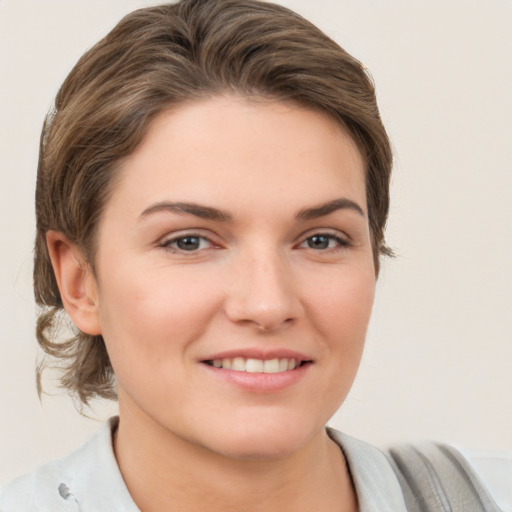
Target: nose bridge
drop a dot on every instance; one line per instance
(262, 292)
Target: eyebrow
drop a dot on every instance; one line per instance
(321, 210)
(203, 212)
(210, 213)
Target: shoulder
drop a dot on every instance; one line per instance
(494, 468)
(45, 488)
(36, 491)
(74, 483)
(416, 477)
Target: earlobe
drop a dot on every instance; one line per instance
(76, 283)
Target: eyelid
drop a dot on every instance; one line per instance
(331, 232)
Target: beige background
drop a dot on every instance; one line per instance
(439, 350)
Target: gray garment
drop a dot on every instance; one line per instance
(89, 480)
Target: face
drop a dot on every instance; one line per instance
(234, 276)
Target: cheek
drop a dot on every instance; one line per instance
(146, 316)
(343, 304)
(339, 310)
(341, 315)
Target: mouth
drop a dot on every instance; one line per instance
(252, 365)
(259, 372)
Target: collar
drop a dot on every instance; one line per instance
(92, 476)
(89, 479)
(377, 486)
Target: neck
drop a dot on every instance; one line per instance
(165, 472)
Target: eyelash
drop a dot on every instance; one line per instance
(171, 244)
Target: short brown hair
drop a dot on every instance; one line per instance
(162, 56)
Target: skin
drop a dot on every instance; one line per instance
(256, 281)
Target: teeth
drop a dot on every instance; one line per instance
(240, 364)
(254, 366)
(271, 366)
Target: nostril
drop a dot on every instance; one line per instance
(271, 324)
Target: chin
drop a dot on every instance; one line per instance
(264, 448)
(262, 441)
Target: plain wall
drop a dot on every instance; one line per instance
(439, 351)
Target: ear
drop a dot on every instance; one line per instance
(76, 282)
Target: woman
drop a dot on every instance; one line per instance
(211, 202)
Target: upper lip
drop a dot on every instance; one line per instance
(258, 353)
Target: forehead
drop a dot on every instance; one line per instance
(231, 149)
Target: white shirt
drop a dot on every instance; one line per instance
(89, 480)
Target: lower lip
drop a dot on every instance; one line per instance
(261, 382)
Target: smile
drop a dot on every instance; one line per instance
(250, 365)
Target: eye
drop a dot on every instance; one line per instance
(187, 243)
(323, 241)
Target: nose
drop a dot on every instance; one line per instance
(262, 293)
